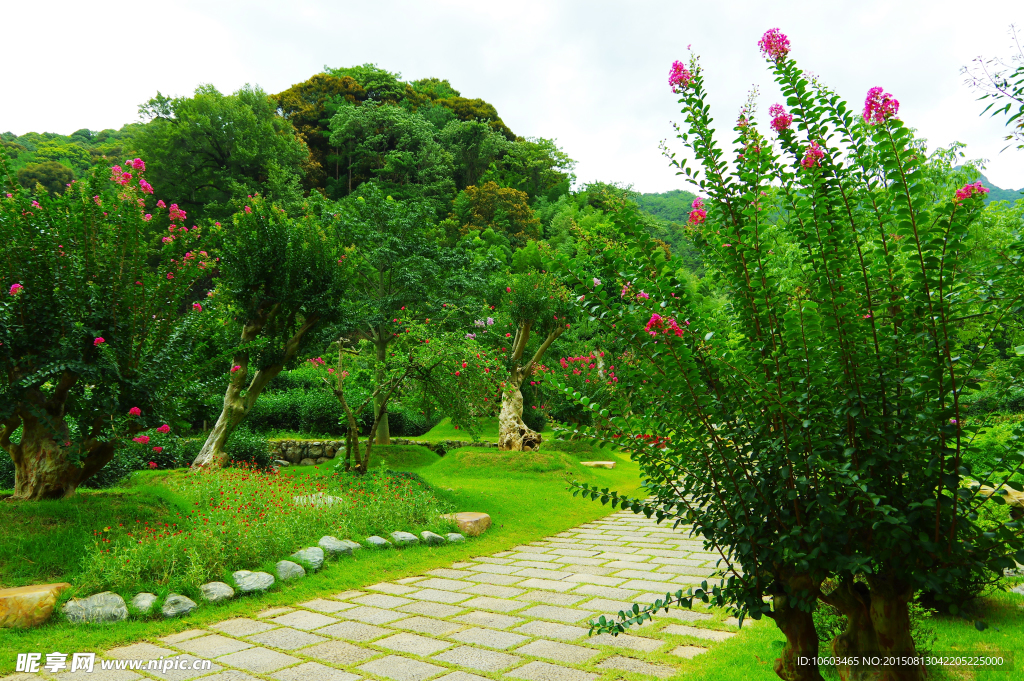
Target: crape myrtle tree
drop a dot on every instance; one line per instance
(93, 335)
(813, 427)
(280, 277)
(537, 306)
(400, 271)
(425, 356)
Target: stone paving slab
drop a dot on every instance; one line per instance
(518, 614)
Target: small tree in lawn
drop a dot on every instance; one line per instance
(537, 304)
(400, 270)
(813, 428)
(280, 277)
(424, 356)
(92, 335)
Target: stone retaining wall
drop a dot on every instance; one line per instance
(321, 451)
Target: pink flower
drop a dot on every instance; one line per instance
(248, 210)
(147, 217)
(597, 282)
(813, 156)
(236, 368)
(152, 464)
(878, 106)
(774, 44)
(98, 341)
(147, 188)
(655, 322)
(138, 164)
(35, 204)
(161, 204)
(169, 275)
(167, 239)
(197, 307)
(642, 296)
(698, 214)
(508, 290)
(164, 429)
(176, 213)
(142, 439)
(965, 192)
(780, 119)
(134, 411)
(679, 77)
(16, 289)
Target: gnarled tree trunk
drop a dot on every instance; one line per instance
(513, 433)
(878, 625)
(43, 465)
(46, 464)
(798, 660)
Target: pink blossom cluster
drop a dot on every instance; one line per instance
(879, 106)
(969, 190)
(147, 188)
(99, 340)
(119, 176)
(316, 361)
(780, 119)
(248, 210)
(197, 307)
(774, 44)
(134, 411)
(164, 429)
(679, 77)
(16, 289)
(697, 214)
(669, 325)
(137, 164)
(813, 156)
(141, 439)
(175, 213)
(161, 204)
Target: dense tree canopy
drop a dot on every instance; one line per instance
(210, 148)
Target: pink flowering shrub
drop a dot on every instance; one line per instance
(697, 212)
(780, 119)
(970, 190)
(679, 77)
(812, 157)
(77, 318)
(879, 106)
(774, 44)
(811, 427)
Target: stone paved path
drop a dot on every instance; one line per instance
(517, 614)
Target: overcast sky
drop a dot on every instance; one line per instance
(592, 75)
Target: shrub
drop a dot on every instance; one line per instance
(249, 449)
(320, 412)
(811, 428)
(82, 285)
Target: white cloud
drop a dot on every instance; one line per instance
(591, 74)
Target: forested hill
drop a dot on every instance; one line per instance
(419, 140)
(671, 206)
(997, 194)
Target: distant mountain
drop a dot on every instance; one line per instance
(997, 194)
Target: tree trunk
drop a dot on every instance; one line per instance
(513, 433)
(878, 624)
(801, 638)
(42, 467)
(236, 406)
(380, 413)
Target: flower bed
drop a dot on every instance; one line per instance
(241, 518)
